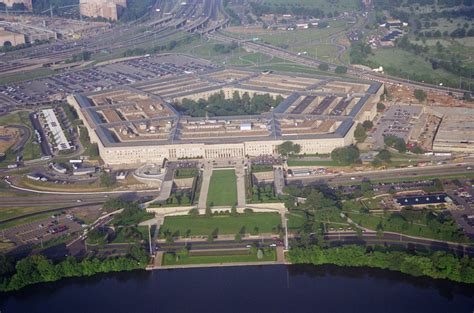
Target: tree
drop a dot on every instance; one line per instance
(345, 155)
(323, 67)
(340, 70)
(384, 155)
(420, 95)
(6, 265)
(360, 134)
(417, 149)
(208, 211)
(396, 143)
(238, 237)
(233, 211)
(380, 106)
(107, 180)
(368, 125)
(288, 147)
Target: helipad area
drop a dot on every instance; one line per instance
(139, 124)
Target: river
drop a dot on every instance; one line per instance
(294, 288)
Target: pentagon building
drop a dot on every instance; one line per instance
(140, 124)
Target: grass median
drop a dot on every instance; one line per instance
(268, 255)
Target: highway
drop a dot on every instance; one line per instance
(392, 239)
(158, 28)
(387, 174)
(63, 198)
(67, 198)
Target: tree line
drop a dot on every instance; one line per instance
(438, 265)
(37, 268)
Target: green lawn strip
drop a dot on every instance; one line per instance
(296, 162)
(261, 168)
(427, 177)
(326, 6)
(28, 75)
(170, 259)
(25, 220)
(294, 68)
(222, 188)
(13, 211)
(225, 224)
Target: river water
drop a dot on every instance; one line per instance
(279, 288)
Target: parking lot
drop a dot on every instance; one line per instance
(57, 87)
(399, 121)
(43, 230)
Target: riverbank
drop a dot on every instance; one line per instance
(437, 265)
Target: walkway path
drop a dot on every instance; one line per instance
(206, 180)
(240, 173)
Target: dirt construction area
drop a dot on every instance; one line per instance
(406, 95)
(8, 137)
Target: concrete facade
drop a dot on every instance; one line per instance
(109, 9)
(13, 38)
(27, 3)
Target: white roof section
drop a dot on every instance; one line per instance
(56, 130)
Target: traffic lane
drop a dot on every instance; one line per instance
(221, 244)
(33, 197)
(386, 174)
(346, 238)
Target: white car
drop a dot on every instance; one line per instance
(273, 245)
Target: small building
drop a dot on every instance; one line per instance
(84, 171)
(422, 200)
(10, 38)
(300, 172)
(121, 176)
(59, 168)
(35, 177)
(246, 126)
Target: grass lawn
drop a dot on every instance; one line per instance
(327, 6)
(296, 39)
(121, 236)
(170, 259)
(407, 64)
(222, 188)
(186, 172)
(331, 217)
(30, 151)
(225, 224)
